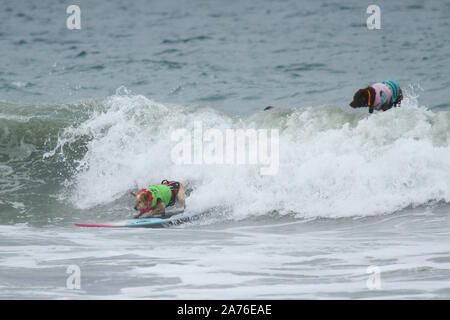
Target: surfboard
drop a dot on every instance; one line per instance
(153, 222)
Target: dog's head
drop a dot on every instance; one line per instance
(361, 98)
(142, 200)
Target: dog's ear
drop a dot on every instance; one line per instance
(133, 194)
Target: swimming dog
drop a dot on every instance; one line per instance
(157, 197)
(379, 96)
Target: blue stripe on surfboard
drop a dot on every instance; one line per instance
(143, 222)
(155, 221)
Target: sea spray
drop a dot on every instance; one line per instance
(333, 163)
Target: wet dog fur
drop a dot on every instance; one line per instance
(142, 202)
(361, 99)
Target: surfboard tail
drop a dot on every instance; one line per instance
(100, 225)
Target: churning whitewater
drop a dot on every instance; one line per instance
(335, 163)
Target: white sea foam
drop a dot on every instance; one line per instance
(334, 162)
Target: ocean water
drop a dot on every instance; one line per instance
(86, 117)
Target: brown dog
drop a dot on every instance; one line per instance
(379, 96)
(157, 197)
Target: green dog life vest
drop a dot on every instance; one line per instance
(159, 191)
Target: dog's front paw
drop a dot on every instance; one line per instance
(136, 216)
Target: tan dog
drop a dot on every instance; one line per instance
(157, 197)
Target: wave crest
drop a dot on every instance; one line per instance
(333, 162)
